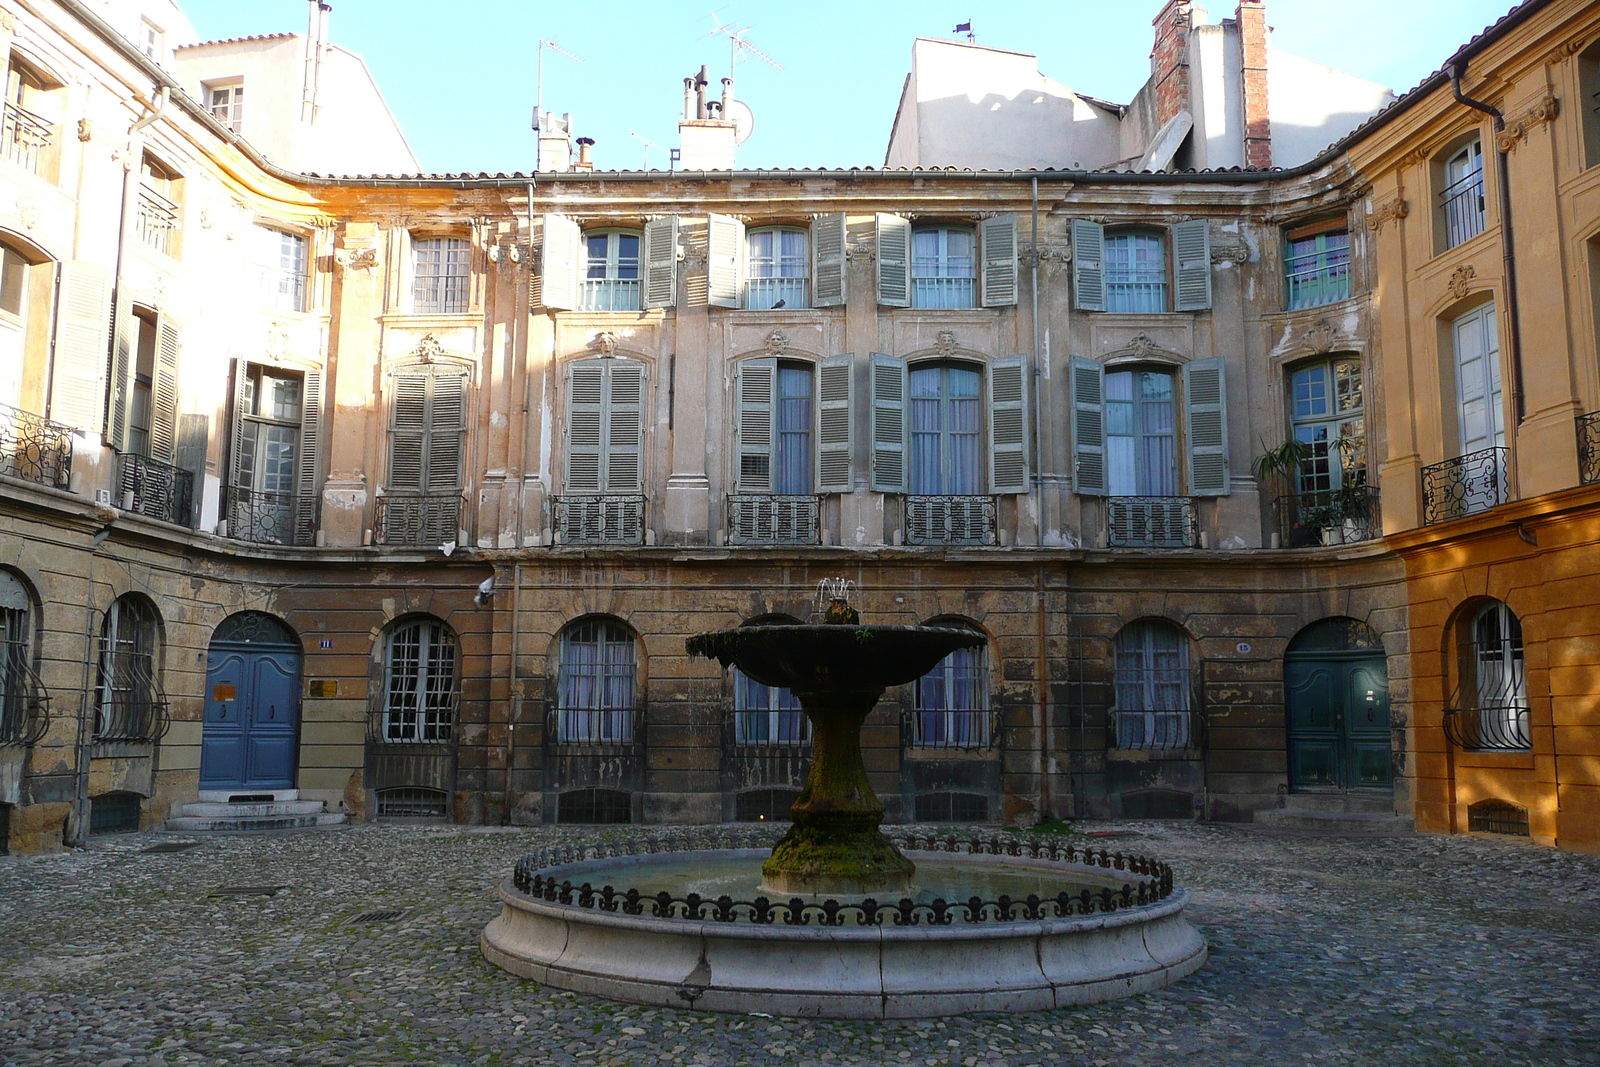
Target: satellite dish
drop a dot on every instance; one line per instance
(744, 121)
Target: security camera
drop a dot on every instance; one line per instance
(485, 592)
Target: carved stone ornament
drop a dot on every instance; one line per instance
(1230, 251)
(429, 348)
(777, 343)
(862, 252)
(278, 344)
(28, 212)
(1382, 214)
(1461, 280)
(1321, 336)
(8, 21)
(85, 130)
(944, 343)
(356, 258)
(1046, 255)
(1144, 347)
(604, 342)
(1544, 110)
(507, 256)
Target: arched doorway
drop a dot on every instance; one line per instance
(1336, 689)
(252, 719)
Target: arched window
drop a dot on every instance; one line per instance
(595, 684)
(952, 700)
(420, 683)
(1490, 709)
(1136, 272)
(23, 702)
(777, 269)
(610, 271)
(944, 267)
(946, 424)
(129, 702)
(1154, 688)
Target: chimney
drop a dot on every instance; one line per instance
(555, 151)
(706, 138)
(1169, 62)
(584, 162)
(1252, 16)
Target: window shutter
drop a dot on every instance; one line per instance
(660, 259)
(306, 495)
(1204, 393)
(888, 424)
(446, 423)
(1008, 425)
(828, 243)
(833, 424)
(894, 261)
(121, 387)
(1191, 251)
(624, 411)
(1088, 265)
(408, 433)
(585, 411)
(164, 396)
(1088, 427)
(241, 376)
(724, 258)
(558, 275)
(83, 321)
(998, 236)
(757, 378)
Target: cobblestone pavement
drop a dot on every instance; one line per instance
(1392, 951)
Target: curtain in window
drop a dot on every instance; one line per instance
(1135, 273)
(1141, 433)
(794, 430)
(1152, 686)
(420, 696)
(777, 267)
(944, 270)
(766, 715)
(595, 684)
(946, 424)
(952, 702)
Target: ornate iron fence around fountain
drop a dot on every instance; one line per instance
(1153, 883)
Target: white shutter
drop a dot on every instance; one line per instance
(1204, 393)
(998, 239)
(660, 262)
(83, 323)
(1088, 427)
(558, 275)
(164, 395)
(757, 380)
(241, 379)
(1008, 425)
(833, 424)
(1088, 265)
(894, 261)
(888, 424)
(586, 385)
(828, 243)
(446, 424)
(624, 421)
(1191, 249)
(724, 258)
(408, 433)
(306, 495)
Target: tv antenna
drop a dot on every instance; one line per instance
(738, 45)
(538, 100)
(649, 144)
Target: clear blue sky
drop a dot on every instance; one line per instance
(460, 76)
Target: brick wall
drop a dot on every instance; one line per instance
(1252, 16)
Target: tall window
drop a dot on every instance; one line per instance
(21, 695)
(420, 689)
(13, 329)
(1153, 688)
(1317, 264)
(946, 423)
(793, 451)
(151, 40)
(157, 220)
(610, 271)
(267, 450)
(1141, 433)
(129, 703)
(28, 130)
(777, 270)
(944, 267)
(604, 413)
(1326, 399)
(1481, 414)
(1494, 683)
(952, 700)
(281, 260)
(226, 104)
(766, 715)
(1461, 200)
(440, 275)
(422, 502)
(1135, 272)
(595, 684)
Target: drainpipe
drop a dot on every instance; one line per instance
(1507, 247)
(1038, 401)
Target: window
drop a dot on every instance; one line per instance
(157, 217)
(144, 370)
(226, 104)
(441, 275)
(1589, 102)
(1477, 357)
(13, 329)
(946, 424)
(1461, 200)
(1326, 407)
(1136, 272)
(766, 715)
(151, 39)
(604, 412)
(1491, 702)
(1153, 686)
(1127, 428)
(775, 426)
(1141, 433)
(944, 267)
(595, 684)
(610, 271)
(276, 431)
(1317, 264)
(29, 132)
(420, 689)
(1126, 270)
(777, 270)
(23, 703)
(422, 501)
(952, 700)
(129, 702)
(281, 259)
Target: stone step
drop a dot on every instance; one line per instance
(1341, 822)
(225, 796)
(1345, 803)
(214, 810)
(257, 823)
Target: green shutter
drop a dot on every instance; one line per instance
(624, 423)
(78, 370)
(757, 380)
(659, 258)
(888, 424)
(408, 433)
(1088, 265)
(560, 263)
(828, 266)
(833, 424)
(586, 383)
(1008, 425)
(124, 362)
(1205, 400)
(306, 494)
(894, 261)
(1088, 427)
(1191, 246)
(998, 240)
(446, 425)
(724, 260)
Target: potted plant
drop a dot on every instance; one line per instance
(1279, 469)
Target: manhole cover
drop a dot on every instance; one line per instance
(173, 846)
(387, 916)
(246, 890)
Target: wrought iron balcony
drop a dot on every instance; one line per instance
(130, 704)
(1318, 277)
(1494, 728)
(786, 728)
(774, 520)
(944, 292)
(1344, 516)
(595, 728)
(952, 520)
(607, 519)
(157, 220)
(1154, 731)
(1151, 522)
(154, 489)
(24, 703)
(1465, 485)
(422, 519)
(951, 729)
(609, 294)
(263, 517)
(761, 294)
(34, 448)
(1462, 203)
(24, 137)
(1589, 448)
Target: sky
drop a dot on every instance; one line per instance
(463, 85)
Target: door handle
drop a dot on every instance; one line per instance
(272, 711)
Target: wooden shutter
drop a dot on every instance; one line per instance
(305, 475)
(659, 258)
(894, 261)
(828, 244)
(408, 433)
(446, 424)
(241, 378)
(1008, 425)
(757, 380)
(1088, 427)
(998, 240)
(1088, 265)
(833, 424)
(624, 421)
(83, 322)
(120, 389)
(1207, 424)
(888, 424)
(1191, 252)
(724, 257)
(586, 384)
(562, 259)
(164, 395)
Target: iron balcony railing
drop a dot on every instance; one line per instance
(422, 519)
(24, 703)
(774, 520)
(1154, 731)
(1493, 728)
(1151, 522)
(1462, 202)
(1589, 448)
(157, 220)
(1317, 278)
(952, 520)
(597, 729)
(1127, 292)
(260, 516)
(767, 294)
(25, 136)
(441, 294)
(785, 728)
(1465, 485)
(131, 705)
(944, 292)
(154, 489)
(34, 448)
(607, 519)
(951, 729)
(1343, 516)
(609, 294)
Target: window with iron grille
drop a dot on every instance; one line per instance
(952, 700)
(129, 702)
(944, 267)
(281, 259)
(22, 697)
(28, 130)
(610, 271)
(952, 807)
(1317, 264)
(157, 211)
(777, 269)
(420, 686)
(766, 715)
(595, 684)
(1491, 705)
(440, 275)
(1135, 272)
(1154, 686)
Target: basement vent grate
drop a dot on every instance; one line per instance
(232, 891)
(387, 916)
(251, 798)
(173, 846)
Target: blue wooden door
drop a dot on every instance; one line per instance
(252, 718)
(1338, 717)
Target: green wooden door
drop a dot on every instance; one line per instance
(1337, 709)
